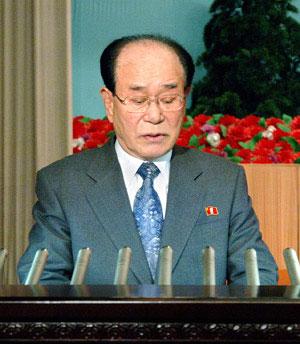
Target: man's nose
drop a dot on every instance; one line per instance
(153, 113)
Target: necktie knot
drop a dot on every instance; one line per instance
(148, 170)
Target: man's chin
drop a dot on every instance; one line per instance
(152, 154)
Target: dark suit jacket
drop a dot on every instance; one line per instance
(82, 202)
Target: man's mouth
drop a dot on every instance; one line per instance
(154, 137)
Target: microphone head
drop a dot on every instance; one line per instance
(37, 267)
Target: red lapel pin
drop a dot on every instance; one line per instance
(211, 211)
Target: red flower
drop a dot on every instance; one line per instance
(76, 150)
(270, 151)
(79, 128)
(91, 133)
(184, 137)
(249, 120)
(96, 125)
(101, 125)
(264, 151)
(283, 145)
(237, 133)
(278, 134)
(265, 144)
(201, 119)
(78, 118)
(295, 123)
(96, 139)
(194, 130)
(252, 131)
(263, 159)
(228, 120)
(185, 119)
(274, 121)
(223, 143)
(296, 134)
(245, 154)
(285, 156)
(296, 156)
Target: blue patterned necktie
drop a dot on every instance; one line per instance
(148, 214)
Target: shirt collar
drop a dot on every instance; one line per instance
(132, 163)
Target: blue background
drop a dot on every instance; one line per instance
(95, 23)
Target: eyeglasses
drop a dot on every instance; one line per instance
(169, 102)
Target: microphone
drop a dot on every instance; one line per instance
(292, 291)
(251, 267)
(209, 269)
(82, 290)
(3, 255)
(81, 265)
(37, 267)
(122, 267)
(165, 266)
(39, 290)
(292, 264)
(123, 290)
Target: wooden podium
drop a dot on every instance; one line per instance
(149, 314)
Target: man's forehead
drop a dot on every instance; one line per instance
(144, 49)
(148, 62)
(143, 44)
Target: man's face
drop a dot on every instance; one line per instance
(148, 69)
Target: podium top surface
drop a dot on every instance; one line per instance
(151, 293)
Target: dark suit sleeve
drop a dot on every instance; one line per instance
(244, 234)
(50, 231)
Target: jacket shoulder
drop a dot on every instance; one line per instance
(206, 161)
(78, 161)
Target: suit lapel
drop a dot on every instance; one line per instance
(109, 200)
(185, 200)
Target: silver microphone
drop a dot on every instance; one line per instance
(292, 291)
(292, 264)
(251, 267)
(122, 267)
(37, 267)
(81, 265)
(165, 266)
(3, 255)
(209, 269)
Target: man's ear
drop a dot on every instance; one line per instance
(107, 98)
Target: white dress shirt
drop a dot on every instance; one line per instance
(133, 181)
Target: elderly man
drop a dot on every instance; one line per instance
(142, 191)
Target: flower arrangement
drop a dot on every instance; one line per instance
(90, 133)
(251, 139)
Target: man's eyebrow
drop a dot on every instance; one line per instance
(170, 86)
(136, 87)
